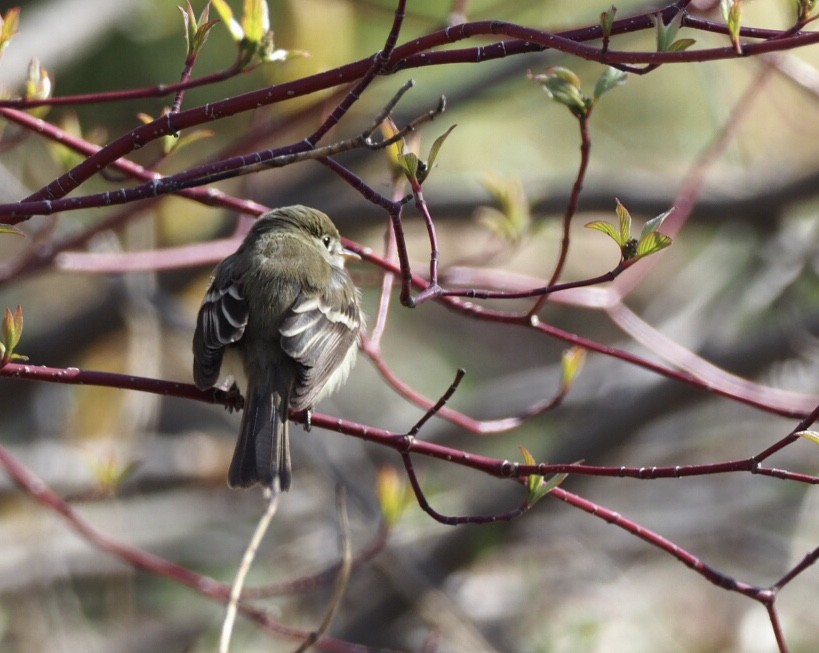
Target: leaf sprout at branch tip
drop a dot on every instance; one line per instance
(253, 35)
(405, 158)
(563, 86)
(538, 486)
(9, 24)
(632, 249)
(12, 333)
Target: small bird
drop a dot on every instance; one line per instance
(282, 319)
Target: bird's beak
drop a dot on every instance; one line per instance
(349, 255)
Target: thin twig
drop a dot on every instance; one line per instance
(571, 208)
(217, 171)
(244, 568)
(344, 570)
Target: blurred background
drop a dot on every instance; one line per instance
(738, 286)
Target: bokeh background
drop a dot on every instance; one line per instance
(739, 286)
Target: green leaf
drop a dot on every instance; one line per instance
(12, 331)
(625, 223)
(732, 13)
(813, 436)
(535, 483)
(609, 229)
(610, 79)
(563, 86)
(256, 20)
(196, 30)
(38, 85)
(433, 151)
(572, 363)
(188, 137)
(226, 14)
(655, 223)
(10, 229)
(607, 21)
(681, 44)
(513, 220)
(667, 34)
(804, 9)
(653, 242)
(548, 486)
(396, 150)
(9, 24)
(409, 163)
(189, 18)
(393, 494)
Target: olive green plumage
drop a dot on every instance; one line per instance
(282, 318)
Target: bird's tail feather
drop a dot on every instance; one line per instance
(262, 452)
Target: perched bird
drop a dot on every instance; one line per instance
(282, 318)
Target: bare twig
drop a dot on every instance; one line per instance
(343, 576)
(247, 560)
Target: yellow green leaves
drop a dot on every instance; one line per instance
(813, 436)
(414, 168)
(563, 86)
(38, 86)
(804, 10)
(393, 494)
(571, 364)
(667, 40)
(607, 21)
(632, 249)
(537, 486)
(10, 229)
(9, 24)
(610, 79)
(174, 142)
(253, 34)
(196, 30)
(12, 332)
(512, 220)
(732, 14)
(110, 473)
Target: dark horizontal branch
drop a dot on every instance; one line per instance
(412, 54)
(156, 91)
(187, 181)
(399, 442)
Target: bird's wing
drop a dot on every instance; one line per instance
(318, 335)
(221, 321)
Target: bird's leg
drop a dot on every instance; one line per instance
(233, 399)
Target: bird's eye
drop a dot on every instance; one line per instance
(327, 241)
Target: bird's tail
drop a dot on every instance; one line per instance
(262, 452)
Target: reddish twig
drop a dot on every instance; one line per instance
(143, 560)
(571, 208)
